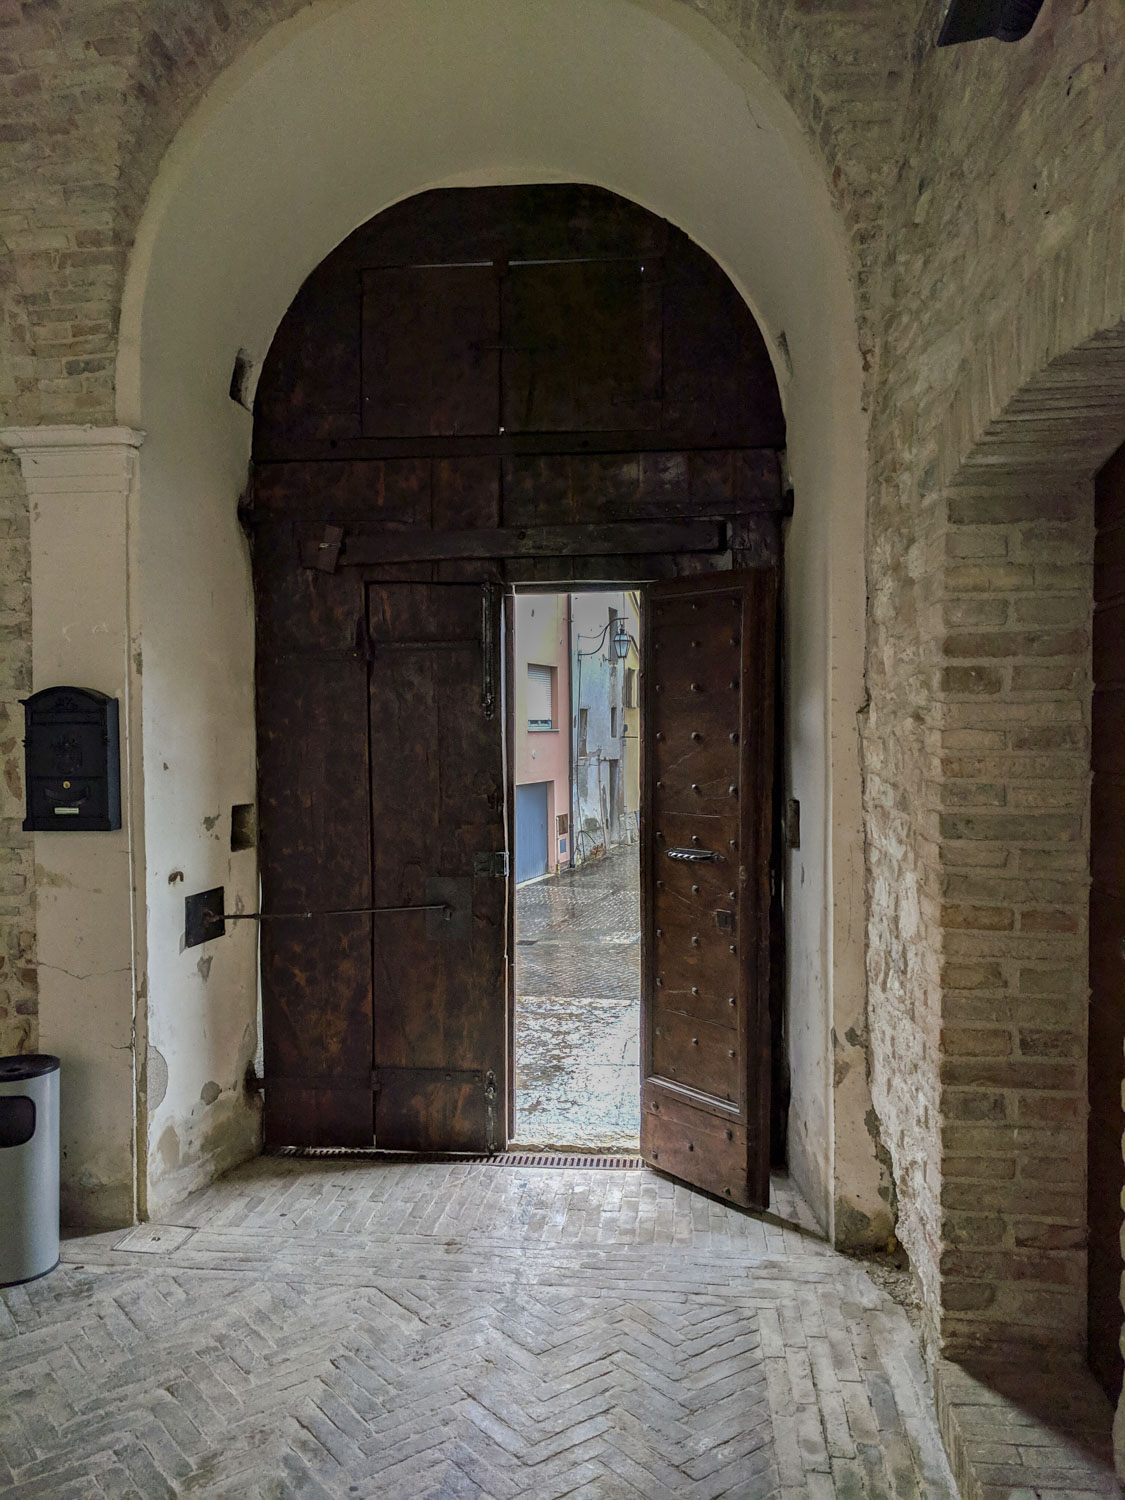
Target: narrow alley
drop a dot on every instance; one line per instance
(578, 989)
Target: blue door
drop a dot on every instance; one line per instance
(531, 831)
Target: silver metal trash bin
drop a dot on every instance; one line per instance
(29, 1167)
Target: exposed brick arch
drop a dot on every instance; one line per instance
(140, 70)
(981, 947)
(95, 92)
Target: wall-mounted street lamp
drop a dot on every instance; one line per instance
(974, 20)
(619, 641)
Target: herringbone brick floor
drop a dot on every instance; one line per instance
(343, 1328)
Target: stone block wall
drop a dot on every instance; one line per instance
(19, 1031)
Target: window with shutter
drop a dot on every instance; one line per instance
(540, 697)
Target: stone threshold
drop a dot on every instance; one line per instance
(1026, 1431)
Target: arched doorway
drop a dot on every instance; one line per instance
(262, 181)
(479, 388)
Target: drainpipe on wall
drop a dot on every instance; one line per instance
(572, 720)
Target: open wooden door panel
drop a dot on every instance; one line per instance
(708, 749)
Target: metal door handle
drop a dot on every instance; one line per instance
(694, 855)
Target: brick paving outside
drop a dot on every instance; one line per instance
(578, 993)
(339, 1328)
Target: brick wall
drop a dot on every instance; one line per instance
(1006, 254)
(92, 93)
(1008, 813)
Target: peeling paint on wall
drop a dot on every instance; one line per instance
(155, 1081)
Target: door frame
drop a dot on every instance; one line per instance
(508, 701)
(774, 1061)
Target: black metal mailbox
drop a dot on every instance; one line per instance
(72, 759)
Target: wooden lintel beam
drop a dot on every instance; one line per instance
(504, 445)
(423, 545)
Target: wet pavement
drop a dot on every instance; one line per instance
(578, 1006)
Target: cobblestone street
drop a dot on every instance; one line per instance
(578, 1006)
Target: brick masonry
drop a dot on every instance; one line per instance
(999, 395)
(981, 192)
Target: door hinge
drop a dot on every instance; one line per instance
(322, 555)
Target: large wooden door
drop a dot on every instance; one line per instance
(705, 851)
(1105, 1169)
(497, 386)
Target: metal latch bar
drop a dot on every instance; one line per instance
(340, 911)
(206, 919)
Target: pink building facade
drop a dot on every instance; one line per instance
(541, 741)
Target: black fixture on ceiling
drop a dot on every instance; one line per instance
(973, 20)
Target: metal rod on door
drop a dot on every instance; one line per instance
(342, 911)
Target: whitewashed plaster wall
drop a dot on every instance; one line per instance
(81, 485)
(337, 114)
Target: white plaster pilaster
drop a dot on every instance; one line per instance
(80, 482)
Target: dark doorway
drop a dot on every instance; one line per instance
(1105, 1169)
(477, 390)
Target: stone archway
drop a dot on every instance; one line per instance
(980, 952)
(259, 185)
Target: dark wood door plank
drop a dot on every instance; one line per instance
(420, 545)
(437, 802)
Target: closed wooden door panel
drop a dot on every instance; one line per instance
(614, 322)
(532, 841)
(1105, 1169)
(316, 971)
(431, 358)
(705, 857)
(437, 807)
(1109, 559)
(713, 366)
(582, 346)
(1109, 644)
